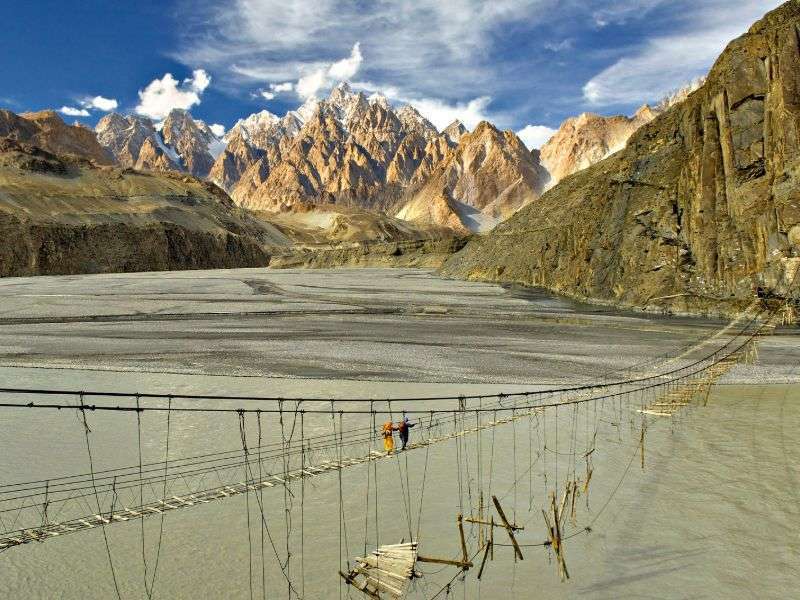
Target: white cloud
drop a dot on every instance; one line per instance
(73, 112)
(217, 129)
(535, 136)
(345, 69)
(310, 84)
(559, 46)
(199, 80)
(100, 103)
(439, 112)
(162, 95)
(267, 95)
(426, 44)
(664, 63)
(287, 86)
(325, 77)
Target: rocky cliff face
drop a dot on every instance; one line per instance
(701, 206)
(47, 130)
(485, 179)
(67, 215)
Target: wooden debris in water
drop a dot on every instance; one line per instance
(385, 573)
(554, 536)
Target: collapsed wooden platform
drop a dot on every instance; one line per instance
(385, 573)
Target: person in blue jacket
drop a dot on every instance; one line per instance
(402, 428)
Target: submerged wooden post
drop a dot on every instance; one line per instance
(491, 537)
(480, 525)
(641, 444)
(464, 556)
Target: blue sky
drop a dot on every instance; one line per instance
(518, 63)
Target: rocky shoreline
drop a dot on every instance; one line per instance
(429, 254)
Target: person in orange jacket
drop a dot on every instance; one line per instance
(388, 436)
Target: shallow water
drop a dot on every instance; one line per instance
(712, 515)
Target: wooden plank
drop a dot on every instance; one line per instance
(483, 562)
(507, 525)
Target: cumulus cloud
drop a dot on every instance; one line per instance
(535, 136)
(279, 88)
(343, 70)
(663, 63)
(325, 77)
(100, 103)
(267, 95)
(71, 111)
(162, 95)
(442, 113)
(310, 84)
(217, 129)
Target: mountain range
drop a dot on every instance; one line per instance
(342, 155)
(348, 151)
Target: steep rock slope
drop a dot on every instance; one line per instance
(702, 205)
(67, 215)
(486, 178)
(47, 130)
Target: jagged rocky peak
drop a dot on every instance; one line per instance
(454, 131)
(380, 99)
(123, 136)
(486, 178)
(192, 140)
(587, 139)
(254, 128)
(239, 154)
(346, 106)
(179, 143)
(413, 121)
(680, 94)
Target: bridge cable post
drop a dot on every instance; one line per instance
(243, 436)
(86, 431)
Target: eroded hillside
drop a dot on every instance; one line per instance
(61, 215)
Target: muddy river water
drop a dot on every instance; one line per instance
(714, 513)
